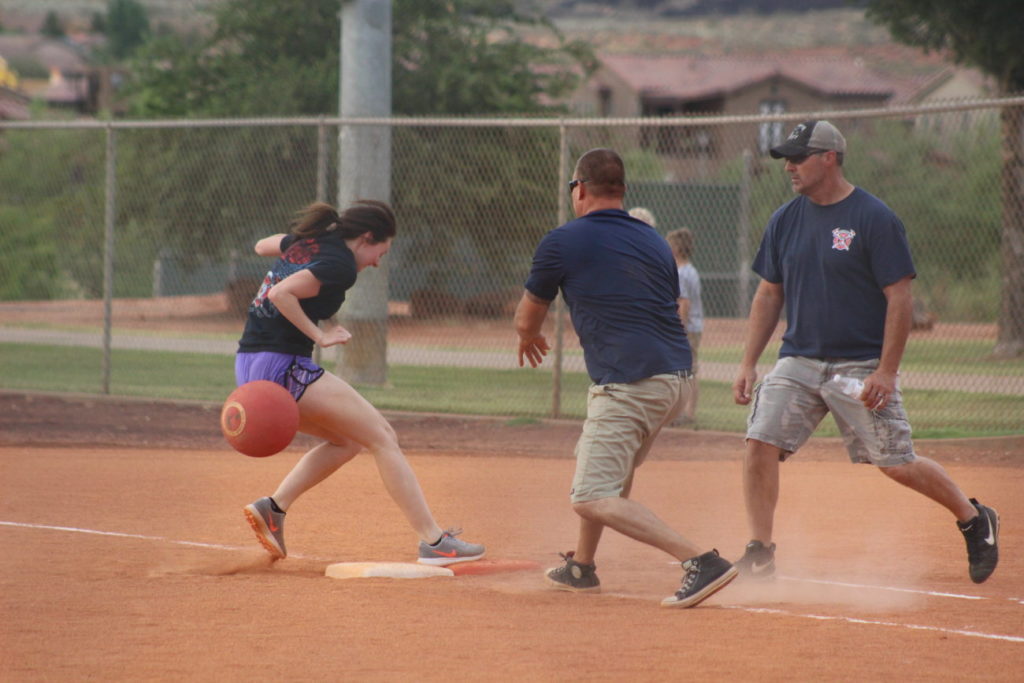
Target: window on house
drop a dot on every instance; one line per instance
(771, 133)
(683, 141)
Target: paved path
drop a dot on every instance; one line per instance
(411, 355)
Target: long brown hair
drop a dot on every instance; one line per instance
(365, 215)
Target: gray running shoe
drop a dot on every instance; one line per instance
(982, 536)
(449, 550)
(758, 562)
(268, 525)
(574, 576)
(705, 575)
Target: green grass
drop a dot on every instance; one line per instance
(947, 357)
(521, 395)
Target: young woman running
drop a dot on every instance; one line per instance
(318, 261)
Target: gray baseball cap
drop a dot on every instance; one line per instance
(808, 137)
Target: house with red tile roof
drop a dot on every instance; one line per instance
(675, 85)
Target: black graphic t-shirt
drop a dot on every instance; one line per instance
(330, 260)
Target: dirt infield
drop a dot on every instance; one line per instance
(126, 557)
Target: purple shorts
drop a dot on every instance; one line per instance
(294, 373)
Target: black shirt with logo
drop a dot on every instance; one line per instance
(331, 262)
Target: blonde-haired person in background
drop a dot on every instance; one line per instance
(642, 214)
(691, 310)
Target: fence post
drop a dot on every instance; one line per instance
(321, 191)
(743, 238)
(108, 253)
(364, 161)
(556, 371)
(321, 161)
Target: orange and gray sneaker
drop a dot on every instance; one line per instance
(449, 550)
(268, 523)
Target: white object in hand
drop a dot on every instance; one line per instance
(851, 386)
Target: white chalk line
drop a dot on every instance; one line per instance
(895, 589)
(143, 537)
(754, 610)
(875, 622)
(844, 584)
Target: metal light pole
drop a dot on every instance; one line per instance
(364, 172)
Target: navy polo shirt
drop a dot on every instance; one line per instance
(619, 281)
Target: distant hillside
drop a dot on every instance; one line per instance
(643, 33)
(27, 15)
(683, 8)
(610, 25)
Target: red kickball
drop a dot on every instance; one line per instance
(259, 418)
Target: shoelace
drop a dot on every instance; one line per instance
(692, 572)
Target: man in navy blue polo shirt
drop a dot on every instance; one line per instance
(619, 280)
(838, 260)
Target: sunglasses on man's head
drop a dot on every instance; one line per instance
(798, 159)
(574, 183)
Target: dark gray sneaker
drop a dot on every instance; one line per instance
(449, 550)
(268, 525)
(758, 561)
(705, 575)
(574, 576)
(982, 537)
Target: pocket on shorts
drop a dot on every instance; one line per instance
(895, 443)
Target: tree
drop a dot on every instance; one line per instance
(52, 27)
(126, 26)
(273, 58)
(986, 35)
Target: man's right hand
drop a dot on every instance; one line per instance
(743, 387)
(534, 349)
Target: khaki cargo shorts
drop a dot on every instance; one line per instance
(622, 422)
(795, 396)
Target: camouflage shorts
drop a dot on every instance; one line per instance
(795, 396)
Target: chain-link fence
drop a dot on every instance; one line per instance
(126, 260)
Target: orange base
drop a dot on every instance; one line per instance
(492, 567)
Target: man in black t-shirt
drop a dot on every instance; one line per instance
(838, 260)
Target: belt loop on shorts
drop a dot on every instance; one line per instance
(683, 374)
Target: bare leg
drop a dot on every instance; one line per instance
(761, 488)
(586, 542)
(336, 407)
(636, 521)
(315, 466)
(630, 519)
(928, 478)
(591, 530)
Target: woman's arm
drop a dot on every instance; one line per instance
(270, 246)
(286, 295)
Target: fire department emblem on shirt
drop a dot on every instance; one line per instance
(842, 239)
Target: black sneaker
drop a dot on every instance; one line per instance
(574, 576)
(705, 575)
(758, 562)
(982, 536)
